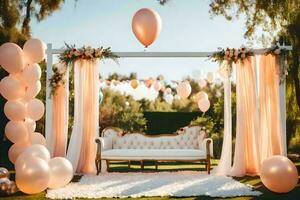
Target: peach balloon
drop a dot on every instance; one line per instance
(203, 104)
(37, 138)
(61, 172)
(32, 90)
(168, 90)
(146, 26)
(16, 131)
(35, 109)
(15, 110)
(31, 74)
(34, 50)
(33, 176)
(37, 150)
(11, 57)
(279, 174)
(16, 149)
(11, 88)
(30, 124)
(202, 83)
(184, 89)
(134, 83)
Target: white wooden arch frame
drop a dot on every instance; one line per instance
(50, 52)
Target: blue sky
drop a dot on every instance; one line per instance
(186, 26)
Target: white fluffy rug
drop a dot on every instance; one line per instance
(177, 184)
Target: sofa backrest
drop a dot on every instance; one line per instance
(186, 138)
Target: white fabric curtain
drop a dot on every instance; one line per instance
(224, 165)
(82, 147)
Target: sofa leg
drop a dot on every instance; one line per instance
(142, 164)
(129, 163)
(156, 165)
(107, 165)
(208, 166)
(98, 166)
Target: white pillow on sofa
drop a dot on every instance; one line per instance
(107, 143)
(200, 138)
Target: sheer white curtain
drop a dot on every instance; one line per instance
(82, 147)
(224, 165)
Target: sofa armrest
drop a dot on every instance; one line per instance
(207, 143)
(103, 143)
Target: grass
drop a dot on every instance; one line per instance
(149, 167)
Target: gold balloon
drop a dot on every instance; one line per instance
(146, 26)
(279, 174)
(33, 176)
(134, 83)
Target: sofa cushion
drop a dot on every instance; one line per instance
(153, 154)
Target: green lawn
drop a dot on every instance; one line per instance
(149, 167)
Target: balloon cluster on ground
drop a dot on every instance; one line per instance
(7, 186)
(35, 171)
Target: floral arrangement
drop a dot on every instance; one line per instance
(231, 55)
(71, 55)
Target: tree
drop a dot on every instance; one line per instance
(16, 15)
(281, 17)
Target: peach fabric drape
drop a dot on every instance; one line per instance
(82, 147)
(246, 155)
(271, 141)
(57, 141)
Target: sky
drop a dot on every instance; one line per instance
(186, 26)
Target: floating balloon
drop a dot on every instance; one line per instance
(203, 104)
(15, 110)
(37, 138)
(31, 74)
(35, 109)
(184, 89)
(134, 83)
(61, 172)
(30, 124)
(34, 50)
(157, 85)
(33, 175)
(37, 150)
(11, 88)
(202, 83)
(210, 77)
(32, 90)
(11, 58)
(16, 131)
(279, 174)
(168, 90)
(16, 149)
(148, 83)
(146, 26)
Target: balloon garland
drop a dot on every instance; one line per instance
(35, 170)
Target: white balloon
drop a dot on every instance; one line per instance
(203, 104)
(32, 90)
(34, 50)
(169, 98)
(30, 124)
(15, 110)
(61, 172)
(11, 88)
(37, 150)
(184, 89)
(37, 138)
(202, 83)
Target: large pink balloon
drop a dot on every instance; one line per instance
(35, 109)
(61, 172)
(15, 110)
(30, 124)
(146, 26)
(32, 90)
(203, 104)
(31, 74)
(184, 89)
(279, 174)
(37, 150)
(37, 138)
(16, 131)
(34, 50)
(15, 150)
(11, 57)
(11, 88)
(33, 175)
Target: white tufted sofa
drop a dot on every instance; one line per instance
(189, 144)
